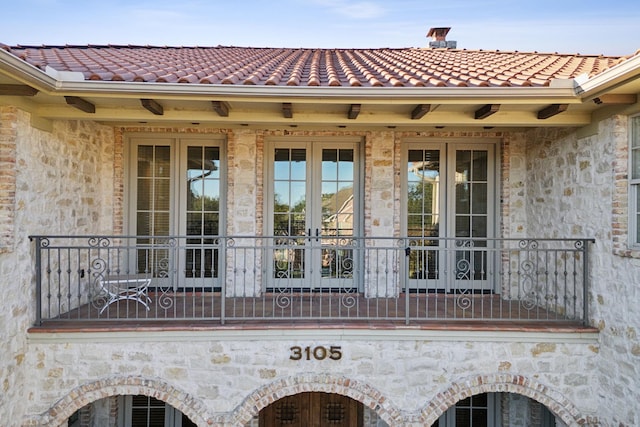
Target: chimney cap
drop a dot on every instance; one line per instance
(438, 33)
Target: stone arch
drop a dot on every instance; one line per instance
(559, 405)
(88, 393)
(362, 392)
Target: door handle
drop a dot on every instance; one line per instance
(317, 234)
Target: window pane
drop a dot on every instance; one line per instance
(281, 164)
(212, 161)
(463, 417)
(480, 161)
(480, 400)
(479, 418)
(144, 194)
(145, 160)
(463, 226)
(345, 167)
(463, 165)
(635, 163)
(479, 194)
(479, 228)
(635, 132)
(162, 194)
(463, 202)
(637, 213)
(163, 161)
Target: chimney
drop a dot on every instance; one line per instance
(439, 35)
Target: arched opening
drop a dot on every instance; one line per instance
(316, 409)
(497, 410)
(129, 411)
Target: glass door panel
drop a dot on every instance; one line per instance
(448, 213)
(337, 213)
(202, 211)
(289, 213)
(176, 191)
(471, 217)
(424, 200)
(153, 206)
(313, 212)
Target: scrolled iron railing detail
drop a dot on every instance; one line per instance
(527, 284)
(99, 242)
(166, 299)
(283, 299)
(528, 244)
(99, 271)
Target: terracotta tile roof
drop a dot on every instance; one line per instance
(388, 67)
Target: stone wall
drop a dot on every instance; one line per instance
(69, 181)
(63, 184)
(408, 382)
(573, 190)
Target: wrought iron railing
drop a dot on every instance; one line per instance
(275, 279)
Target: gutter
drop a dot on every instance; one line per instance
(25, 72)
(249, 91)
(610, 79)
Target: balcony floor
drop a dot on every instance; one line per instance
(202, 311)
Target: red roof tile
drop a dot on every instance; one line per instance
(408, 67)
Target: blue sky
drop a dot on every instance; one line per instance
(566, 26)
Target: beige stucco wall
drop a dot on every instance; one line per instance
(553, 183)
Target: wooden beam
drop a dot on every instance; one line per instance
(552, 110)
(420, 111)
(618, 99)
(152, 106)
(354, 110)
(486, 111)
(17, 90)
(221, 107)
(287, 110)
(80, 104)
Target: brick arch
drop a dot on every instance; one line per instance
(559, 405)
(88, 393)
(326, 383)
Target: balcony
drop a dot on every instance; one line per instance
(276, 281)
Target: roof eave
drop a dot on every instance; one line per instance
(610, 79)
(55, 84)
(177, 90)
(25, 72)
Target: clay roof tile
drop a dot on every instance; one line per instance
(232, 65)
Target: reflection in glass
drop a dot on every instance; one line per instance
(203, 210)
(423, 212)
(337, 184)
(289, 207)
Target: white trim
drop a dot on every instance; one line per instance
(330, 334)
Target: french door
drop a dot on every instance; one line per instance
(449, 214)
(175, 190)
(313, 214)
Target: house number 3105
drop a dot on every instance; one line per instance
(333, 352)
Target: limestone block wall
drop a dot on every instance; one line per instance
(63, 183)
(572, 190)
(407, 379)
